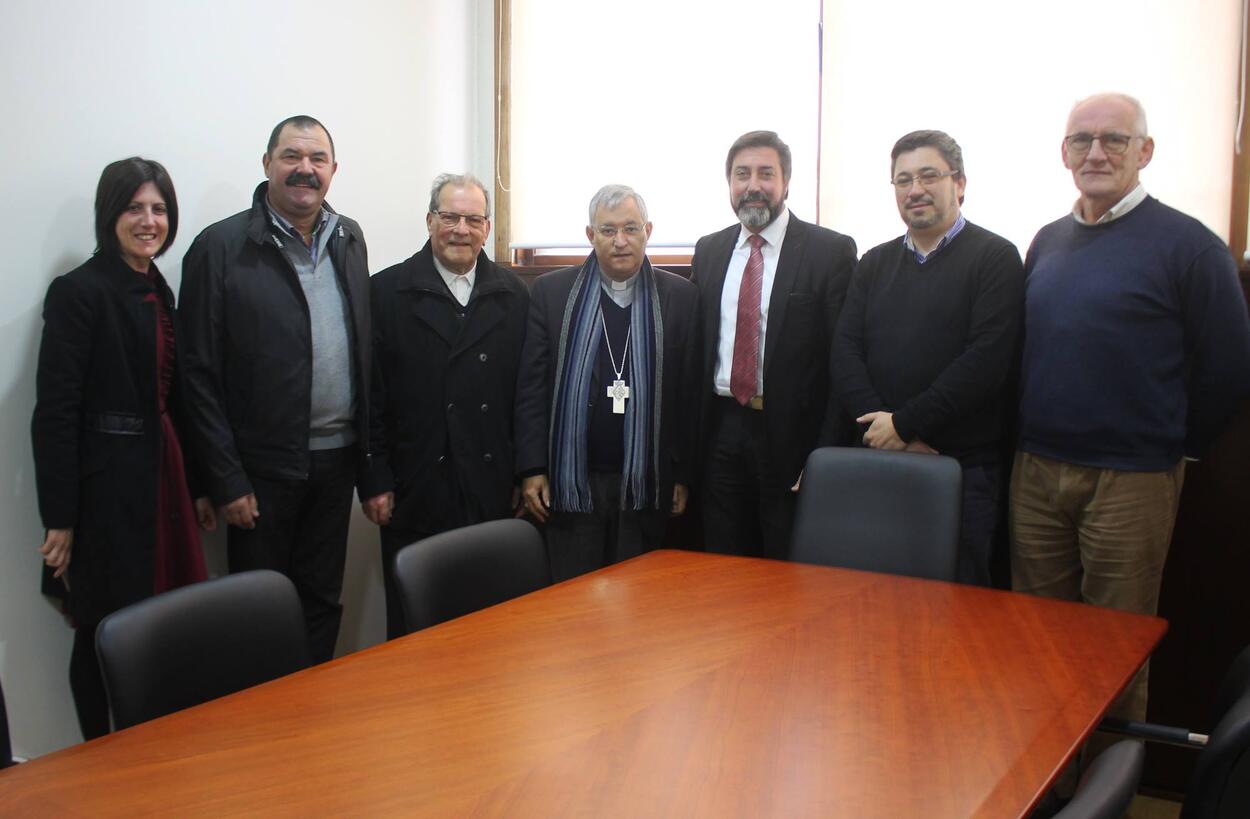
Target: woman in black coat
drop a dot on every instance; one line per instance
(109, 470)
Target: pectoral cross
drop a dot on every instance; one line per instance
(618, 392)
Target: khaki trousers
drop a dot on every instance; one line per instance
(1093, 535)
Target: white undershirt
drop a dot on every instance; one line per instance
(460, 285)
(771, 251)
(1134, 198)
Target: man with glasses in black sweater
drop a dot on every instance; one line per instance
(927, 335)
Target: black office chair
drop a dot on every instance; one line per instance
(1108, 785)
(463, 570)
(6, 748)
(895, 512)
(200, 642)
(1219, 787)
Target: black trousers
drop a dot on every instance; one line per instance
(979, 522)
(394, 539)
(302, 533)
(580, 542)
(86, 682)
(741, 515)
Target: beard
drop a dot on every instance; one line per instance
(755, 218)
(917, 221)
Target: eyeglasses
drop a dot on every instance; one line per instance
(1111, 143)
(927, 179)
(449, 219)
(631, 231)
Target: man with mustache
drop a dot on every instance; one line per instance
(1136, 353)
(770, 289)
(448, 325)
(604, 398)
(275, 307)
(928, 332)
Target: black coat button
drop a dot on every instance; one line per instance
(451, 407)
(487, 457)
(485, 407)
(481, 356)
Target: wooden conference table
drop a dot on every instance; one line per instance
(676, 684)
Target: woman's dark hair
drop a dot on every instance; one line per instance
(118, 184)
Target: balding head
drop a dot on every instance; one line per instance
(1114, 98)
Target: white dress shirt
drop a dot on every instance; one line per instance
(771, 251)
(460, 285)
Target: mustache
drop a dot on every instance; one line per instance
(753, 196)
(309, 179)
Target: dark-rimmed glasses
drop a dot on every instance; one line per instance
(1112, 143)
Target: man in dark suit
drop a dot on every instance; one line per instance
(608, 378)
(448, 325)
(770, 289)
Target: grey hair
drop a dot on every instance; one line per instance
(611, 196)
(456, 180)
(1139, 111)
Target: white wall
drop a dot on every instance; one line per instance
(1001, 78)
(405, 88)
(652, 94)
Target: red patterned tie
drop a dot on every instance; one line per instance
(742, 378)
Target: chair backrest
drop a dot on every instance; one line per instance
(895, 512)
(200, 642)
(1235, 684)
(1108, 785)
(463, 570)
(6, 749)
(1220, 785)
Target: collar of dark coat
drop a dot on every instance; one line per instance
(124, 276)
(259, 227)
(420, 274)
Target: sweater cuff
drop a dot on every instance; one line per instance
(232, 488)
(904, 426)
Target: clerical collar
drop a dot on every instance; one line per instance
(620, 292)
(1134, 198)
(449, 276)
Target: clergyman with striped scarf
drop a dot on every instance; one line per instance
(605, 409)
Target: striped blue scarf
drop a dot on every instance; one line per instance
(580, 335)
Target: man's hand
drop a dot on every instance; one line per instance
(798, 481)
(920, 446)
(56, 548)
(379, 508)
(881, 434)
(205, 515)
(537, 495)
(241, 512)
(680, 495)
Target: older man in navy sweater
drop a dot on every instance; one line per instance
(1137, 351)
